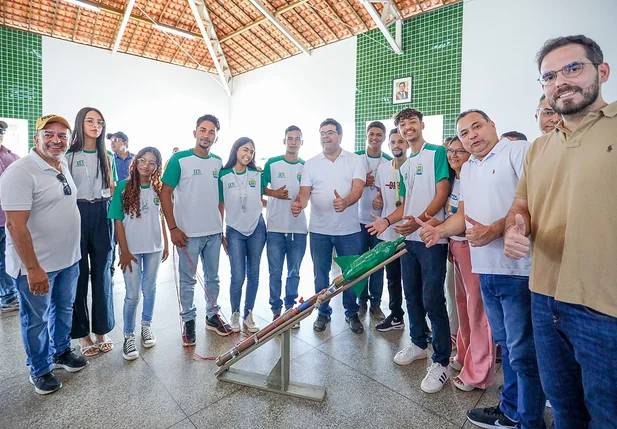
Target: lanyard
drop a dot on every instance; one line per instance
(396, 183)
(242, 185)
(145, 198)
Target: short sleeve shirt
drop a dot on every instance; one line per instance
(324, 177)
(84, 165)
(279, 172)
(144, 234)
(195, 180)
(6, 158)
(387, 179)
(123, 165)
(241, 193)
(365, 205)
(30, 184)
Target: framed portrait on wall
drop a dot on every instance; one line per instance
(401, 90)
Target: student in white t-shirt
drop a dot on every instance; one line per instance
(286, 233)
(240, 192)
(142, 238)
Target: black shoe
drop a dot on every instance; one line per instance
(354, 324)
(46, 383)
(188, 334)
(70, 361)
(215, 325)
(390, 324)
(498, 354)
(363, 308)
(321, 323)
(489, 418)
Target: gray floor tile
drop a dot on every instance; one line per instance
(12, 354)
(184, 424)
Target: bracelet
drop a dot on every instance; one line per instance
(171, 229)
(389, 224)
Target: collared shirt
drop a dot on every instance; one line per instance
(569, 185)
(241, 193)
(487, 189)
(387, 179)
(324, 177)
(365, 205)
(122, 165)
(279, 172)
(84, 166)
(54, 223)
(6, 158)
(452, 205)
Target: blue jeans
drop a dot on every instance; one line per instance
(46, 320)
(8, 290)
(141, 280)
(279, 245)
(424, 272)
(244, 258)
(576, 355)
(374, 288)
(208, 248)
(507, 301)
(321, 253)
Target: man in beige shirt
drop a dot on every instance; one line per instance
(566, 201)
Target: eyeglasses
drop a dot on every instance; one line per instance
(457, 151)
(569, 70)
(144, 161)
(2, 131)
(547, 113)
(48, 135)
(94, 122)
(327, 133)
(65, 184)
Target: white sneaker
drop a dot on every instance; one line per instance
(235, 322)
(250, 324)
(410, 354)
(436, 376)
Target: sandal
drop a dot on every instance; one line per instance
(91, 350)
(105, 345)
(461, 385)
(454, 364)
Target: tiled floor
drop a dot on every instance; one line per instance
(166, 387)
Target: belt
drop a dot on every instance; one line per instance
(97, 200)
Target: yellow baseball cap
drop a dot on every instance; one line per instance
(48, 119)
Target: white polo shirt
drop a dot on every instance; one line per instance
(88, 176)
(487, 188)
(324, 176)
(195, 180)
(419, 177)
(144, 234)
(279, 172)
(452, 205)
(31, 184)
(365, 205)
(387, 179)
(241, 193)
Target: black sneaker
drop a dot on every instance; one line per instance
(390, 323)
(354, 324)
(215, 325)
(46, 383)
(70, 361)
(489, 418)
(188, 334)
(129, 350)
(321, 323)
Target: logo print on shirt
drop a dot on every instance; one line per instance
(231, 185)
(157, 201)
(609, 148)
(281, 175)
(197, 172)
(215, 173)
(80, 163)
(392, 185)
(252, 183)
(299, 176)
(419, 170)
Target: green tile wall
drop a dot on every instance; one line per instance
(21, 80)
(432, 46)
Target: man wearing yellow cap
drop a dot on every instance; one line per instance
(42, 251)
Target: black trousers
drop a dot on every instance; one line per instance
(395, 288)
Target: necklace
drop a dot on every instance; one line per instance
(242, 185)
(144, 199)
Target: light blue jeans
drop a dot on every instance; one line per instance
(8, 291)
(141, 280)
(208, 248)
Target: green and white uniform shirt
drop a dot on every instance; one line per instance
(365, 205)
(88, 176)
(143, 234)
(241, 193)
(195, 180)
(452, 204)
(387, 179)
(419, 176)
(279, 172)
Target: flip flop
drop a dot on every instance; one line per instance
(106, 345)
(91, 350)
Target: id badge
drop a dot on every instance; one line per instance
(106, 193)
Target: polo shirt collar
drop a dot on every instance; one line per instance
(610, 110)
(342, 154)
(40, 162)
(496, 149)
(129, 156)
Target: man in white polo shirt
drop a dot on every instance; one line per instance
(488, 182)
(286, 233)
(195, 223)
(43, 251)
(333, 181)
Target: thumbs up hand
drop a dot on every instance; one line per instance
(281, 193)
(516, 245)
(296, 206)
(479, 235)
(339, 203)
(370, 179)
(378, 201)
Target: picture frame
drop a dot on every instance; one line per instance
(402, 90)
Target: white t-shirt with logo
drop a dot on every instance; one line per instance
(279, 172)
(144, 234)
(241, 193)
(452, 204)
(325, 176)
(195, 180)
(88, 176)
(365, 205)
(388, 180)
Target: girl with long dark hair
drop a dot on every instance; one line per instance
(94, 172)
(141, 235)
(241, 191)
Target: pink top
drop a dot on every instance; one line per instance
(6, 158)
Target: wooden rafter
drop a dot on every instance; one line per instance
(355, 12)
(316, 13)
(96, 21)
(53, 22)
(75, 25)
(338, 17)
(295, 12)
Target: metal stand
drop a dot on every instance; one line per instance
(278, 380)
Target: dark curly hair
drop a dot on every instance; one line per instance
(131, 203)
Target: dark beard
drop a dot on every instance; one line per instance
(570, 108)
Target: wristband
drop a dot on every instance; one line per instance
(171, 229)
(389, 224)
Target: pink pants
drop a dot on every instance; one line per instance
(474, 341)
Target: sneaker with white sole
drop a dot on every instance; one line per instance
(147, 337)
(250, 323)
(129, 350)
(410, 354)
(490, 418)
(436, 377)
(235, 322)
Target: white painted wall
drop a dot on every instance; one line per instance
(500, 41)
(155, 104)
